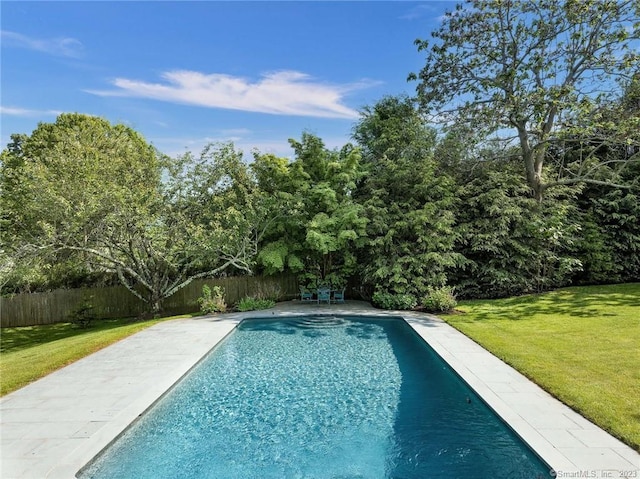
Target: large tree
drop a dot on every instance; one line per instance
(61, 183)
(86, 186)
(316, 224)
(527, 72)
(409, 203)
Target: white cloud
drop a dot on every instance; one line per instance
(416, 12)
(61, 46)
(13, 111)
(422, 11)
(277, 93)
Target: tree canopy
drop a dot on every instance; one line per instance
(317, 224)
(409, 203)
(515, 169)
(529, 74)
(83, 185)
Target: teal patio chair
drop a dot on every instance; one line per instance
(324, 294)
(305, 295)
(338, 296)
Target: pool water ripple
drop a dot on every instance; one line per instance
(318, 397)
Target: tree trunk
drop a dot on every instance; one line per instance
(533, 161)
(155, 303)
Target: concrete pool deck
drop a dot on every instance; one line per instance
(56, 425)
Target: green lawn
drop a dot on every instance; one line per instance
(29, 353)
(581, 344)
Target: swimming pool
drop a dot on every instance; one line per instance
(319, 397)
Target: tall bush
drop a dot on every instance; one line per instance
(212, 300)
(514, 243)
(410, 203)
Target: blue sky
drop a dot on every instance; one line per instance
(187, 73)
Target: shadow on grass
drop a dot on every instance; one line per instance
(16, 339)
(579, 302)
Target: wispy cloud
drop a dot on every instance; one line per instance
(416, 11)
(421, 11)
(13, 111)
(60, 46)
(278, 93)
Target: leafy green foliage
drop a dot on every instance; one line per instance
(84, 314)
(409, 211)
(253, 304)
(212, 300)
(315, 225)
(409, 203)
(519, 69)
(387, 300)
(610, 235)
(99, 193)
(65, 185)
(273, 256)
(439, 300)
(513, 243)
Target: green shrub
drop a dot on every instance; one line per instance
(439, 300)
(83, 314)
(252, 304)
(386, 300)
(381, 299)
(212, 300)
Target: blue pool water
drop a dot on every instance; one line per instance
(319, 397)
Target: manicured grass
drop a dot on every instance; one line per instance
(580, 344)
(29, 353)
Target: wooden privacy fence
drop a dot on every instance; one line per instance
(117, 302)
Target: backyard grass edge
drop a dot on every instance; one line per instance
(460, 319)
